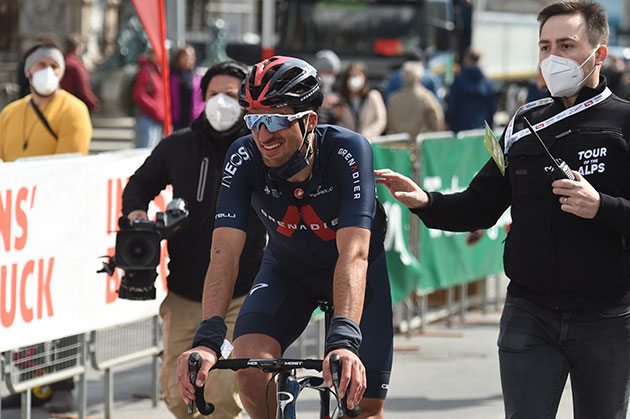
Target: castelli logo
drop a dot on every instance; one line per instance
(298, 193)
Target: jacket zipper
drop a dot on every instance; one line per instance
(625, 256)
(203, 175)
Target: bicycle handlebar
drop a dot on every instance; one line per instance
(194, 363)
(266, 365)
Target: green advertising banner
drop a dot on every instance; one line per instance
(403, 267)
(447, 166)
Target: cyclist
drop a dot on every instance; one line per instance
(314, 190)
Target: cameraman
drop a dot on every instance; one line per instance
(191, 160)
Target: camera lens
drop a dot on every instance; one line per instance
(140, 251)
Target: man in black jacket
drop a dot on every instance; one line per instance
(568, 303)
(191, 160)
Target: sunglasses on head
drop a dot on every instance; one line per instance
(273, 122)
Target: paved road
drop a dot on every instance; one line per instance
(447, 373)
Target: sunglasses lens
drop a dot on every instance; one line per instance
(272, 122)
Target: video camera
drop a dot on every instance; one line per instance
(138, 250)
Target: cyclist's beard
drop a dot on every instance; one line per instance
(296, 163)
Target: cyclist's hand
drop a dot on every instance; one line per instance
(208, 359)
(352, 371)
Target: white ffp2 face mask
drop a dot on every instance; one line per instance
(356, 83)
(222, 111)
(563, 76)
(45, 81)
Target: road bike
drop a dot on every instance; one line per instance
(288, 384)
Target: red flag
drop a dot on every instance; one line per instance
(152, 16)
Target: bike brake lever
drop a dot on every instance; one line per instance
(194, 363)
(335, 372)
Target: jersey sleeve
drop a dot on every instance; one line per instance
(236, 186)
(352, 165)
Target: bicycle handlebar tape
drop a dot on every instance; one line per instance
(335, 372)
(194, 363)
(343, 333)
(211, 333)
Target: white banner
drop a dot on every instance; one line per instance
(58, 216)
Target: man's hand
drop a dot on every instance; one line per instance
(577, 196)
(352, 371)
(137, 214)
(402, 188)
(208, 359)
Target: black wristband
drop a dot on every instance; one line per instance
(343, 333)
(211, 333)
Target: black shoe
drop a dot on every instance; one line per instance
(12, 401)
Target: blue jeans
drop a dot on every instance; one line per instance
(539, 348)
(148, 132)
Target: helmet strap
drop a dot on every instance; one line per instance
(298, 161)
(309, 149)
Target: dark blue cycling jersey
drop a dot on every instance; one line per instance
(302, 218)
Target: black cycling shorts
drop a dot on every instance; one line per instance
(281, 302)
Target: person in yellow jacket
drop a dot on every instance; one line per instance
(49, 120)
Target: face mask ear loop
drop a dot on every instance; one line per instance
(592, 70)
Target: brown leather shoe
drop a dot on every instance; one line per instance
(61, 401)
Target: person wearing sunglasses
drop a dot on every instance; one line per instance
(314, 190)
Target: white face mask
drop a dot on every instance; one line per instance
(222, 111)
(563, 76)
(355, 83)
(45, 81)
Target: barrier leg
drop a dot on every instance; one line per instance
(423, 313)
(109, 392)
(450, 301)
(83, 348)
(497, 291)
(26, 404)
(484, 296)
(322, 337)
(155, 388)
(463, 301)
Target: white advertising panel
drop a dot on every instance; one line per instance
(58, 216)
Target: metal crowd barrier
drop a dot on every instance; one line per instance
(412, 312)
(38, 366)
(121, 344)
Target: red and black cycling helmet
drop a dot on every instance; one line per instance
(281, 81)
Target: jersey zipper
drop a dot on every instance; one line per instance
(203, 176)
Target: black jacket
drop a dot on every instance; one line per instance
(191, 160)
(554, 258)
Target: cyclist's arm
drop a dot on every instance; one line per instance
(353, 244)
(227, 245)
